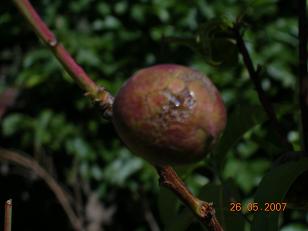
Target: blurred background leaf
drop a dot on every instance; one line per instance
(283, 176)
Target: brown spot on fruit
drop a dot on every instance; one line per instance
(169, 114)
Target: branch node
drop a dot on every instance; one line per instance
(9, 202)
(97, 93)
(53, 42)
(203, 210)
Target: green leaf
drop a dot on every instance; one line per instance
(247, 173)
(273, 188)
(167, 205)
(182, 221)
(241, 120)
(80, 148)
(224, 52)
(295, 227)
(14, 123)
(41, 132)
(213, 41)
(119, 170)
(217, 44)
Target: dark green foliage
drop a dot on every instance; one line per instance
(52, 120)
(284, 176)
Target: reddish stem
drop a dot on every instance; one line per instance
(97, 93)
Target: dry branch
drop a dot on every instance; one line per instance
(60, 193)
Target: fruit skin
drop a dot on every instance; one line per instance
(169, 114)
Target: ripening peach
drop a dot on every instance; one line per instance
(169, 114)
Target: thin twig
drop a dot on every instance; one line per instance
(148, 215)
(204, 211)
(254, 75)
(303, 75)
(60, 193)
(97, 93)
(78, 193)
(8, 215)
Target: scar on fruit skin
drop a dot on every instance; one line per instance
(178, 103)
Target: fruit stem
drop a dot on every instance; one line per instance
(99, 94)
(254, 75)
(204, 211)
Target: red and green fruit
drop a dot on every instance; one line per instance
(169, 114)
